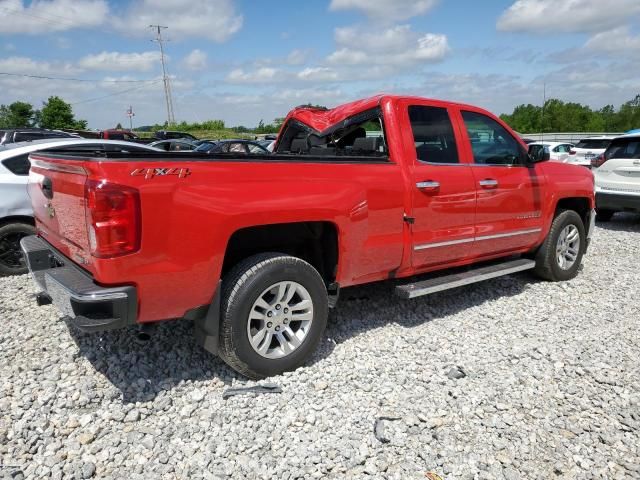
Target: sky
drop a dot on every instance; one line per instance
(246, 60)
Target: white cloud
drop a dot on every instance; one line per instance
(29, 66)
(260, 75)
(397, 45)
(560, 16)
(46, 16)
(196, 60)
(215, 20)
(321, 74)
(121, 62)
(386, 10)
(390, 39)
(297, 57)
(618, 41)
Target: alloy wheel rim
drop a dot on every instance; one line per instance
(10, 252)
(567, 247)
(280, 319)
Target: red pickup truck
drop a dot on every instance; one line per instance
(255, 248)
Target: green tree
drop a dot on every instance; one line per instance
(119, 126)
(16, 115)
(56, 113)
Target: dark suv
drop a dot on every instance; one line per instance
(29, 134)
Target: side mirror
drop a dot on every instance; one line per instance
(537, 155)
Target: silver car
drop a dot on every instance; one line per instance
(16, 215)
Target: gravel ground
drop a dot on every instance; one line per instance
(512, 378)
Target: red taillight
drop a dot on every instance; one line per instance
(113, 219)
(598, 161)
(572, 152)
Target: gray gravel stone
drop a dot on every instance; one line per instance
(551, 387)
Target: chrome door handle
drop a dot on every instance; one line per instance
(488, 183)
(428, 186)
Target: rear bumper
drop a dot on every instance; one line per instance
(90, 307)
(617, 202)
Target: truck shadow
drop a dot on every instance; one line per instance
(622, 222)
(142, 370)
(368, 307)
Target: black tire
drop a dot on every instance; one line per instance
(241, 287)
(11, 259)
(604, 215)
(546, 258)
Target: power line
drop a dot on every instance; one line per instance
(43, 77)
(171, 119)
(116, 93)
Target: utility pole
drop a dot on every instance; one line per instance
(167, 85)
(130, 114)
(544, 104)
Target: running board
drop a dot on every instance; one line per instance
(454, 280)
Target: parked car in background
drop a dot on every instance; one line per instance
(117, 134)
(617, 177)
(170, 135)
(179, 145)
(558, 151)
(16, 214)
(268, 144)
(588, 149)
(232, 146)
(18, 135)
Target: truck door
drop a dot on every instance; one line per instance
(442, 188)
(509, 200)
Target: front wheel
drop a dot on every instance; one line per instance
(274, 312)
(560, 255)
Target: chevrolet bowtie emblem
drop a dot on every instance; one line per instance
(50, 210)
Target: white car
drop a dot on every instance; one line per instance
(16, 215)
(617, 177)
(589, 148)
(558, 151)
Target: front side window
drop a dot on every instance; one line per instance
(433, 134)
(490, 142)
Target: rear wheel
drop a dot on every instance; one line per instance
(12, 262)
(604, 215)
(274, 311)
(560, 255)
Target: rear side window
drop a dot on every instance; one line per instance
(623, 148)
(491, 143)
(18, 165)
(433, 134)
(593, 143)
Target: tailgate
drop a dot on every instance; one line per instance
(57, 191)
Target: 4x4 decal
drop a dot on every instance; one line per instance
(149, 173)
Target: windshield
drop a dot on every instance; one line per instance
(597, 143)
(623, 148)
